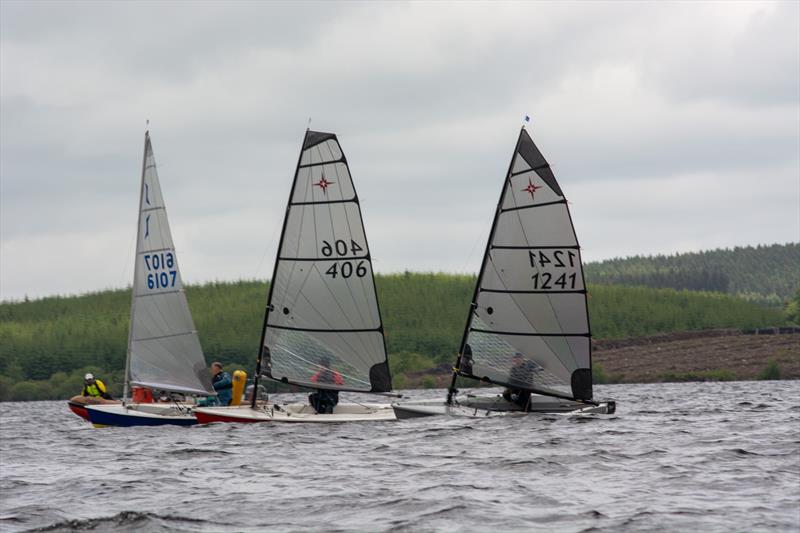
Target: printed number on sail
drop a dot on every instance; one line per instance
(340, 248)
(160, 270)
(550, 266)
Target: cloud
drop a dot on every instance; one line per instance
(672, 114)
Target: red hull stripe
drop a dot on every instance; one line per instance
(205, 418)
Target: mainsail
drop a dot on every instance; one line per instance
(163, 347)
(528, 326)
(322, 326)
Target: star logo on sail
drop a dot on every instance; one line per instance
(531, 188)
(324, 184)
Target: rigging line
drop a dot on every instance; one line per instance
(340, 335)
(350, 232)
(302, 210)
(128, 258)
(316, 365)
(266, 249)
(517, 211)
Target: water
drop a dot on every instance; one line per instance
(700, 456)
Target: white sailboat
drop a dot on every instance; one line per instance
(322, 325)
(528, 323)
(164, 351)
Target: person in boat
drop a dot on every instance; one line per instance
(522, 372)
(324, 400)
(222, 383)
(465, 366)
(95, 388)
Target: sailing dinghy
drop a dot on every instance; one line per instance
(164, 351)
(322, 325)
(528, 323)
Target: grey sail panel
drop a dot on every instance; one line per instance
(529, 325)
(164, 348)
(323, 308)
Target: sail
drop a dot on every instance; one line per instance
(164, 350)
(322, 327)
(529, 325)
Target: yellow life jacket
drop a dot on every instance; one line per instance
(96, 389)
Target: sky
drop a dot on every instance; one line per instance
(671, 127)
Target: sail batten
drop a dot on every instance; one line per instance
(528, 326)
(322, 310)
(164, 349)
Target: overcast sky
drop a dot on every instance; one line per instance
(670, 126)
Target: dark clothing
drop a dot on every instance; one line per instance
(223, 384)
(521, 374)
(518, 396)
(323, 401)
(465, 366)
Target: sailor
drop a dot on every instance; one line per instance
(222, 383)
(521, 372)
(324, 400)
(95, 388)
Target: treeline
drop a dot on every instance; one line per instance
(766, 274)
(49, 342)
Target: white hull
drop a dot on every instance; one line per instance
(295, 413)
(485, 406)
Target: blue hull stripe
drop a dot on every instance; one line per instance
(112, 419)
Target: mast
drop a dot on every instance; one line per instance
(451, 391)
(126, 385)
(261, 346)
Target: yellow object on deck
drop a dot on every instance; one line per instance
(239, 380)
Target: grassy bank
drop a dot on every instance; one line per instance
(47, 344)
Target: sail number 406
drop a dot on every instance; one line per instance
(162, 264)
(340, 247)
(344, 269)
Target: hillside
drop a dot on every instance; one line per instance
(45, 345)
(765, 274)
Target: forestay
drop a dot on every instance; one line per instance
(323, 310)
(529, 326)
(163, 347)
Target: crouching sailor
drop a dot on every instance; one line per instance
(324, 400)
(95, 388)
(222, 383)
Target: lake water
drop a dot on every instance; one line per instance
(693, 456)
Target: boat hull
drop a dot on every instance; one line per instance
(77, 404)
(482, 407)
(294, 413)
(140, 415)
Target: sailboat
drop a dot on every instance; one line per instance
(528, 323)
(164, 351)
(322, 325)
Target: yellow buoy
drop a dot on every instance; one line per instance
(239, 380)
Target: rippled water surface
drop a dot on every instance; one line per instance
(695, 456)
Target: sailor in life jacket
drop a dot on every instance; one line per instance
(324, 400)
(94, 387)
(222, 383)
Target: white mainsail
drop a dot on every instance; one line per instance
(529, 325)
(164, 350)
(323, 311)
